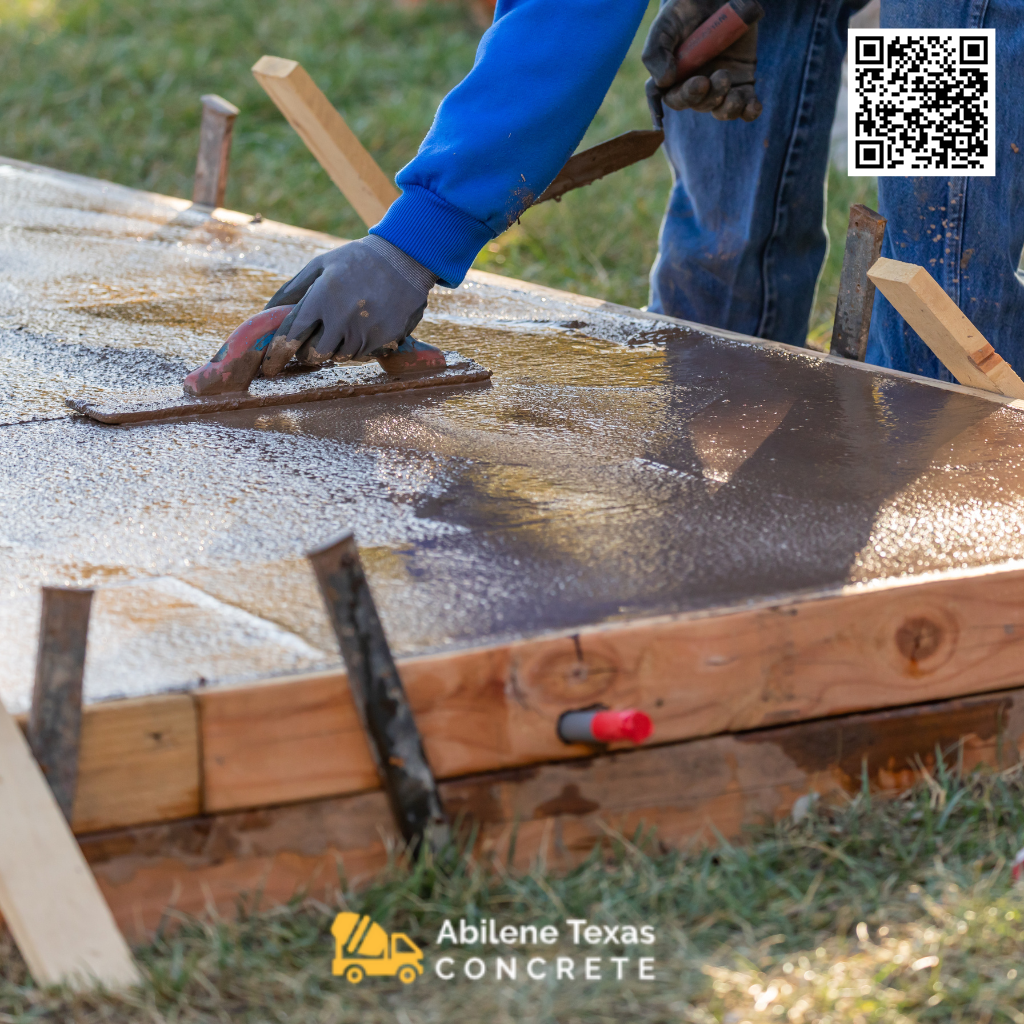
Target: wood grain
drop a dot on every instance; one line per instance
(856, 291)
(690, 791)
(960, 346)
(267, 855)
(139, 761)
(329, 139)
(293, 739)
(55, 718)
(48, 896)
(215, 132)
(686, 791)
(495, 708)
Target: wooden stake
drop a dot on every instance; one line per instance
(378, 694)
(214, 150)
(48, 895)
(856, 291)
(960, 346)
(329, 139)
(55, 722)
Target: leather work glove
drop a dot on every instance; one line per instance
(726, 85)
(354, 302)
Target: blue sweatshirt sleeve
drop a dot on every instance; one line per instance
(501, 135)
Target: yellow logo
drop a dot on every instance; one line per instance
(362, 947)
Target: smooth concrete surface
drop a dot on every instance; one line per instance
(617, 466)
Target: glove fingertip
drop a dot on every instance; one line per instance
(752, 111)
(663, 71)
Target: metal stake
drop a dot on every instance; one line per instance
(856, 292)
(214, 150)
(378, 694)
(55, 719)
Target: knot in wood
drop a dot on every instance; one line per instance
(918, 639)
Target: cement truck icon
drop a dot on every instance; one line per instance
(362, 947)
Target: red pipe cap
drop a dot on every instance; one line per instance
(632, 725)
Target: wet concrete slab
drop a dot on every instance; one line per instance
(616, 466)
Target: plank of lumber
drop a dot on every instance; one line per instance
(856, 291)
(304, 741)
(377, 693)
(215, 132)
(55, 720)
(496, 708)
(689, 791)
(329, 139)
(941, 325)
(139, 762)
(686, 790)
(271, 853)
(48, 896)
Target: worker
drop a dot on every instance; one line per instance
(742, 242)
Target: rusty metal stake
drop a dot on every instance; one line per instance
(856, 292)
(55, 719)
(379, 695)
(214, 150)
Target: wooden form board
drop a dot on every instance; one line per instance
(496, 708)
(687, 790)
(48, 896)
(329, 139)
(139, 761)
(960, 346)
(290, 740)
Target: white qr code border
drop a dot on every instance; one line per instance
(911, 112)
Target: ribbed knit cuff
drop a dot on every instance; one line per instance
(414, 272)
(433, 232)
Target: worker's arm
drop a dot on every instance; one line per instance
(501, 135)
(497, 141)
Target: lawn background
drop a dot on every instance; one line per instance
(110, 88)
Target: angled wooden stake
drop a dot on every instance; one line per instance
(48, 895)
(856, 292)
(55, 721)
(920, 300)
(378, 694)
(214, 150)
(329, 139)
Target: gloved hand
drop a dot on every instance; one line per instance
(727, 86)
(354, 302)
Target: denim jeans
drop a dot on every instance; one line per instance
(742, 242)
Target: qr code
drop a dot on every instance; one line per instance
(922, 102)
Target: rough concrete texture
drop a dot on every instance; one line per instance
(616, 466)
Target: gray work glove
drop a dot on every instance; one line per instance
(354, 302)
(726, 87)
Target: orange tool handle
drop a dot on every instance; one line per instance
(711, 37)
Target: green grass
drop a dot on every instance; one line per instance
(110, 88)
(893, 910)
